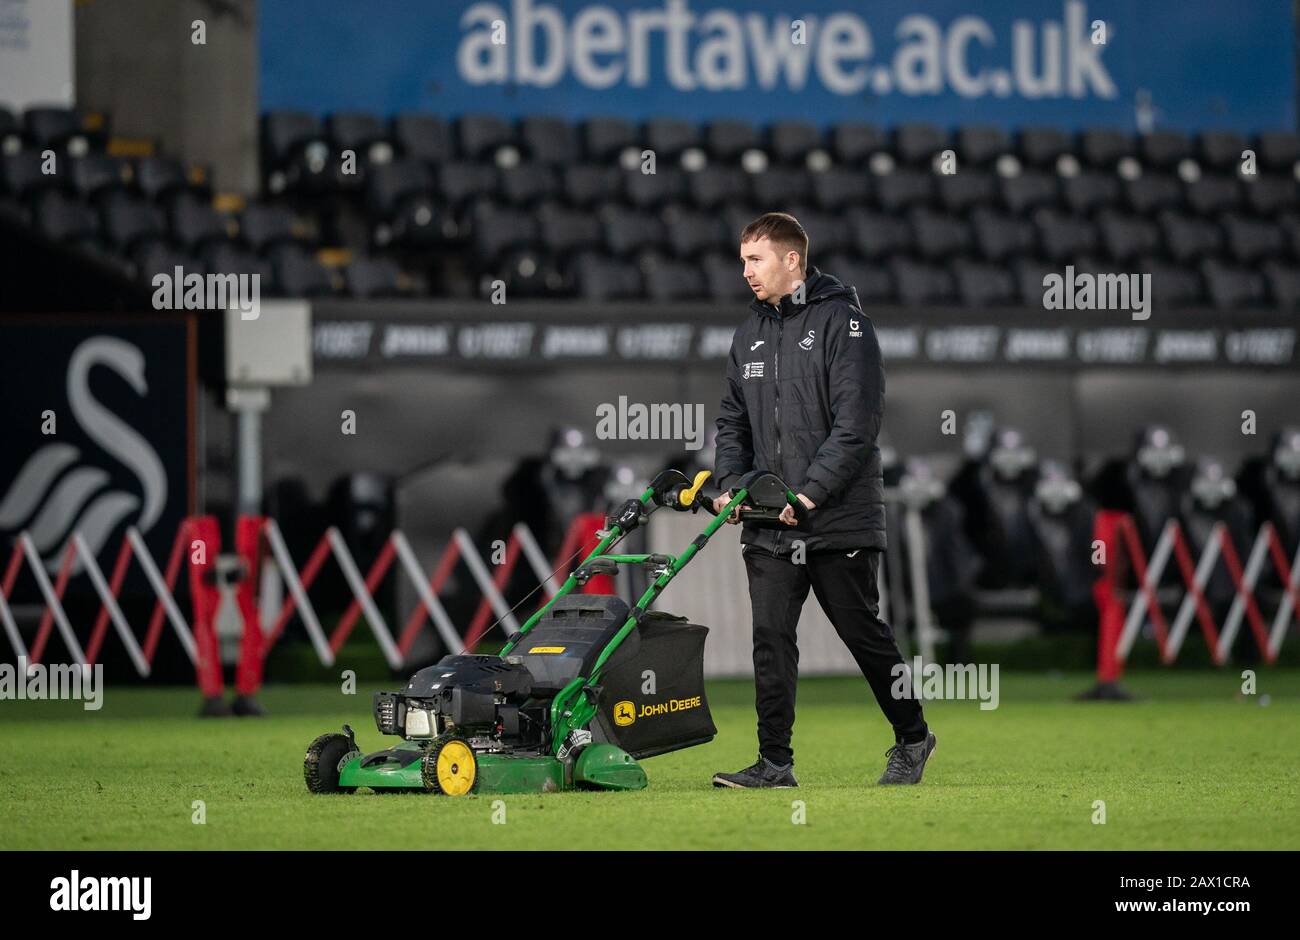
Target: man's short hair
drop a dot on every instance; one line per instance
(783, 230)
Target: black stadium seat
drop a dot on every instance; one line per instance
(423, 137)
(1173, 285)
(1040, 146)
(495, 229)
(602, 278)
(668, 137)
(1211, 195)
(904, 188)
(1063, 237)
(372, 277)
(792, 141)
(938, 236)
(840, 188)
(999, 237)
(159, 258)
(459, 183)
(922, 284)
(604, 138)
(1188, 239)
(128, 221)
(1277, 151)
(22, 173)
(717, 185)
(1086, 193)
(853, 143)
(1220, 151)
(61, 218)
(726, 139)
(627, 231)
(781, 186)
(587, 184)
(480, 135)
(229, 258)
(876, 235)
(691, 233)
(56, 128)
(359, 132)
(1231, 287)
(97, 174)
(1125, 237)
(917, 144)
(264, 225)
(723, 278)
(549, 140)
(1270, 195)
(562, 230)
(1250, 241)
(1164, 149)
(965, 189)
(1283, 283)
(979, 146)
(672, 279)
(528, 184)
(652, 190)
(298, 273)
(1103, 147)
(873, 282)
(1152, 192)
(1028, 190)
(160, 178)
(981, 285)
(193, 222)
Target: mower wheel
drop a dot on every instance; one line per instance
(449, 766)
(323, 762)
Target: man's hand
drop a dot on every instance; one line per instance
(787, 514)
(720, 503)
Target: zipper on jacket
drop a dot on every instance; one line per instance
(776, 380)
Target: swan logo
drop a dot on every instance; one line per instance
(60, 490)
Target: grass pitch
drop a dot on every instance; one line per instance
(1192, 765)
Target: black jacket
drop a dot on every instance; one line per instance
(805, 398)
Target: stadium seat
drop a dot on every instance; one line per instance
(852, 143)
(628, 231)
(723, 278)
(999, 237)
(904, 189)
(1278, 151)
(193, 223)
(229, 258)
(530, 273)
(605, 138)
(982, 285)
(1029, 274)
(1283, 283)
(828, 232)
(564, 230)
(726, 140)
(364, 134)
(917, 144)
(1063, 237)
(296, 154)
(96, 174)
(780, 186)
(922, 284)
(423, 137)
(716, 185)
(964, 190)
(980, 146)
(690, 233)
(874, 283)
(372, 277)
(298, 273)
(1173, 285)
(670, 279)
(549, 140)
(669, 137)
(588, 184)
(158, 258)
(57, 129)
(21, 174)
(61, 218)
(840, 188)
(1164, 150)
(1151, 193)
(1040, 146)
(1220, 151)
(387, 186)
(528, 184)
(1086, 193)
(938, 236)
(1126, 237)
(1211, 195)
(1230, 288)
(497, 228)
(161, 178)
(480, 136)
(791, 142)
(1028, 191)
(1250, 241)
(127, 221)
(1102, 148)
(459, 183)
(262, 226)
(1270, 195)
(601, 278)
(1189, 239)
(876, 235)
(652, 190)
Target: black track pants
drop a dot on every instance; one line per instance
(848, 591)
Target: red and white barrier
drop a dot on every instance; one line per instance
(1119, 629)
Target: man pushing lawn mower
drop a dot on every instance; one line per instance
(804, 399)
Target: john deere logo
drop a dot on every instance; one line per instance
(624, 714)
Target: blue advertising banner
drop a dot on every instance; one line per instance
(1134, 64)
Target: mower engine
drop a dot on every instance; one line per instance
(473, 695)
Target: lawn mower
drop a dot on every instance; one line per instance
(584, 690)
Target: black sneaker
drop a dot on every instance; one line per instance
(907, 761)
(214, 707)
(763, 773)
(245, 706)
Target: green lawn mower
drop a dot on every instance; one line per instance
(585, 688)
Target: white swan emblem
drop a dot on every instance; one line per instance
(52, 496)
